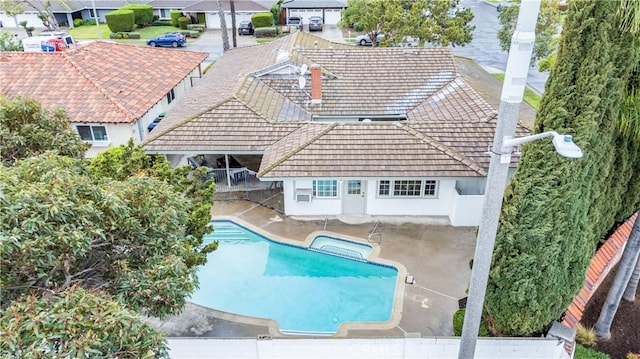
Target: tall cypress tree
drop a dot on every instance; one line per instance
(557, 209)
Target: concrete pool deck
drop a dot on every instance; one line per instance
(436, 255)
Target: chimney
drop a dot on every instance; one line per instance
(316, 84)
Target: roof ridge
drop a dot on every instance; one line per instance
(449, 151)
(427, 98)
(297, 149)
(68, 57)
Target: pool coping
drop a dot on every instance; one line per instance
(343, 329)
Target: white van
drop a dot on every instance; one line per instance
(68, 39)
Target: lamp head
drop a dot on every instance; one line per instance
(566, 147)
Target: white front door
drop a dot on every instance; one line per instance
(354, 197)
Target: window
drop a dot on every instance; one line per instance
(353, 187)
(429, 188)
(325, 188)
(93, 133)
(171, 95)
(407, 188)
(383, 188)
(164, 13)
(91, 14)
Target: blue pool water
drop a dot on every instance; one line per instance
(305, 291)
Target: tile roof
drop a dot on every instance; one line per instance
(101, 82)
(356, 149)
(228, 126)
(447, 131)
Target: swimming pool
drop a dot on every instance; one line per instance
(304, 291)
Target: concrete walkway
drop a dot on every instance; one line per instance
(436, 255)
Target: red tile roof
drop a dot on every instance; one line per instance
(102, 82)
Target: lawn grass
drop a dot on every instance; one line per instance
(89, 32)
(531, 97)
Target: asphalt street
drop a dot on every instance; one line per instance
(485, 47)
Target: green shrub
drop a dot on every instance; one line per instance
(90, 22)
(196, 27)
(143, 13)
(77, 22)
(265, 32)
(588, 353)
(458, 320)
(262, 19)
(162, 23)
(156, 17)
(183, 21)
(175, 15)
(358, 27)
(124, 35)
(120, 20)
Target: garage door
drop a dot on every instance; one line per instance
(305, 14)
(213, 21)
(332, 16)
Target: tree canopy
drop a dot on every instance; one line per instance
(439, 22)
(547, 29)
(27, 129)
(77, 323)
(87, 245)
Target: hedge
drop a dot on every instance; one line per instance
(124, 35)
(183, 21)
(262, 19)
(271, 31)
(143, 13)
(175, 15)
(196, 27)
(458, 319)
(77, 22)
(190, 33)
(89, 22)
(162, 23)
(120, 20)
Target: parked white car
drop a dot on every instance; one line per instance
(365, 39)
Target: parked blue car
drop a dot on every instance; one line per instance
(173, 39)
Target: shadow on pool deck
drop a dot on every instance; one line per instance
(436, 255)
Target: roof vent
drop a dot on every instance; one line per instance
(410, 53)
(366, 120)
(282, 56)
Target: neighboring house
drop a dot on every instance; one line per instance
(329, 10)
(208, 10)
(110, 91)
(200, 10)
(346, 130)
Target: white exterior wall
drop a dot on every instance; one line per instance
(462, 210)
(7, 21)
(317, 207)
(118, 133)
(420, 206)
(466, 210)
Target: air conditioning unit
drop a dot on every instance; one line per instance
(304, 195)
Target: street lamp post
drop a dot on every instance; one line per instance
(510, 99)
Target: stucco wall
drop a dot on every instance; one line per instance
(438, 206)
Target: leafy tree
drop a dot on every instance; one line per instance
(128, 160)
(62, 227)
(547, 28)
(76, 323)
(43, 7)
(8, 42)
(556, 210)
(445, 25)
(436, 22)
(27, 129)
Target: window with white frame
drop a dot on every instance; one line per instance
(171, 95)
(407, 188)
(92, 133)
(325, 188)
